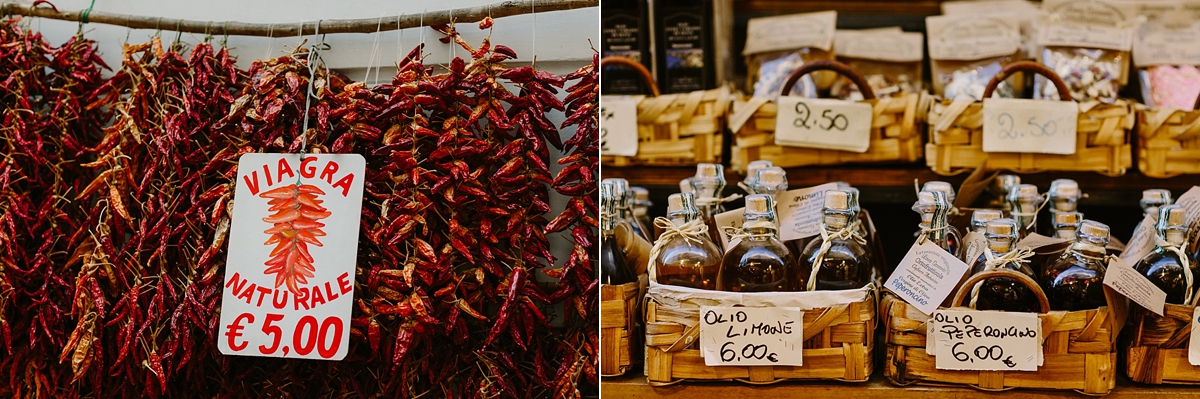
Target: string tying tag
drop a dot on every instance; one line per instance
(1179, 250)
(923, 234)
(1034, 214)
(1021, 255)
(850, 232)
(691, 231)
(735, 233)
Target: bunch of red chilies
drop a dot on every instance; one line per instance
(116, 197)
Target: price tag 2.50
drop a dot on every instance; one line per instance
(742, 336)
(983, 340)
(618, 125)
(823, 123)
(1018, 125)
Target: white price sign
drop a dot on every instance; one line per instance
(1019, 125)
(823, 123)
(293, 243)
(742, 336)
(986, 340)
(618, 125)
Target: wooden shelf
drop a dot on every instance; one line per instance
(635, 386)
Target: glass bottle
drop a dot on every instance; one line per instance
(759, 262)
(845, 265)
(1066, 224)
(1074, 281)
(1000, 188)
(1063, 196)
(953, 236)
(752, 174)
(1164, 267)
(614, 269)
(1154, 198)
(686, 261)
(641, 210)
(980, 218)
(1024, 200)
(934, 210)
(685, 186)
(623, 196)
(1002, 293)
(707, 185)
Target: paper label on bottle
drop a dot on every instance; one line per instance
(748, 336)
(971, 37)
(1142, 241)
(973, 246)
(799, 211)
(882, 45)
(1102, 24)
(732, 219)
(986, 340)
(1124, 279)
(1194, 341)
(791, 32)
(926, 276)
(1020, 125)
(823, 123)
(618, 125)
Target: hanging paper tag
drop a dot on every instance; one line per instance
(986, 340)
(1133, 285)
(823, 123)
(618, 125)
(1142, 241)
(744, 336)
(293, 244)
(728, 219)
(1019, 125)
(799, 211)
(973, 246)
(926, 276)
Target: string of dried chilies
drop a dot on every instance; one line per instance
(453, 240)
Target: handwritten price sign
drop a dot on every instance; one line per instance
(823, 123)
(741, 336)
(1018, 125)
(289, 282)
(981, 340)
(618, 125)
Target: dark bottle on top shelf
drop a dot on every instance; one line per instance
(684, 50)
(845, 265)
(1074, 281)
(1164, 267)
(759, 262)
(624, 32)
(1002, 293)
(707, 185)
(614, 270)
(685, 261)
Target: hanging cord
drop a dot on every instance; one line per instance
(1032, 222)
(314, 58)
(83, 16)
(270, 40)
(1020, 255)
(374, 53)
(533, 50)
(1179, 250)
(691, 231)
(850, 232)
(399, 42)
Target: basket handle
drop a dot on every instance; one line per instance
(830, 65)
(1028, 66)
(634, 65)
(961, 294)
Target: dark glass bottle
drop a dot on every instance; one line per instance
(934, 210)
(614, 269)
(624, 32)
(707, 185)
(1154, 198)
(1002, 293)
(1063, 196)
(686, 261)
(641, 210)
(1164, 267)
(1074, 281)
(1023, 201)
(623, 195)
(1066, 225)
(953, 236)
(684, 53)
(759, 262)
(845, 265)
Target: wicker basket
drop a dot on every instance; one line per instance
(1079, 348)
(1102, 144)
(1158, 348)
(838, 343)
(620, 332)
(1169, 142)
(675, 129)
(895, 129)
